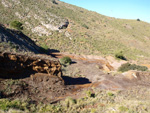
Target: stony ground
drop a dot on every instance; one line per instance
(87, 89)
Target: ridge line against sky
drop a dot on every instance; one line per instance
(123, 9)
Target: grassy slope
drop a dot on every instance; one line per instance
(105, 35)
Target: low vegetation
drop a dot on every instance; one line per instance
(128, 66)
(120, 102)
(16, 25)
(88, 33)
(120, 55)
(65, 60)
(138, 19)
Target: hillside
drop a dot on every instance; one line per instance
(67, 28)
(79, 73)
(16, 41)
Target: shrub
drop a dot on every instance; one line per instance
(16, 25)
(138, 19)
(90, 94)
(128, 66)
(85, 26)
(110, 94)
(120, 56)
(65, 60)
(54, 2)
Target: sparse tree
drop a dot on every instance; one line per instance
(138, 19)
(54, 2)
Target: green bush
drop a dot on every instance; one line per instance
(16, 25)
(90, 94)
(54, 2)
(110, 94)
(138, 19)
(65, 60)
(128, 66)
(85, 26)
(120, 56)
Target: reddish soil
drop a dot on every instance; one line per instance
(91, 69)
(38, 88)
(47, 86)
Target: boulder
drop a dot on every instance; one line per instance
(21, 66)
(132, 75)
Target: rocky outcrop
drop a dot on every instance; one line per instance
(34, 77)
(21, 66)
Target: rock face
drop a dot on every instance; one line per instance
(34, 77)
(21, 66)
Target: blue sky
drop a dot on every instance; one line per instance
(126, 9)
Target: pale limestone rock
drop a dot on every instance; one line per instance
(131, 74)
(18, 15)
(40, 30)
(6, 3)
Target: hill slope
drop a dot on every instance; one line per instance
(67, 28)
(16, 41)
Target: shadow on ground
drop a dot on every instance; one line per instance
(75, 81)
(19, 41)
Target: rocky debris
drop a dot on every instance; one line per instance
(21, 66)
